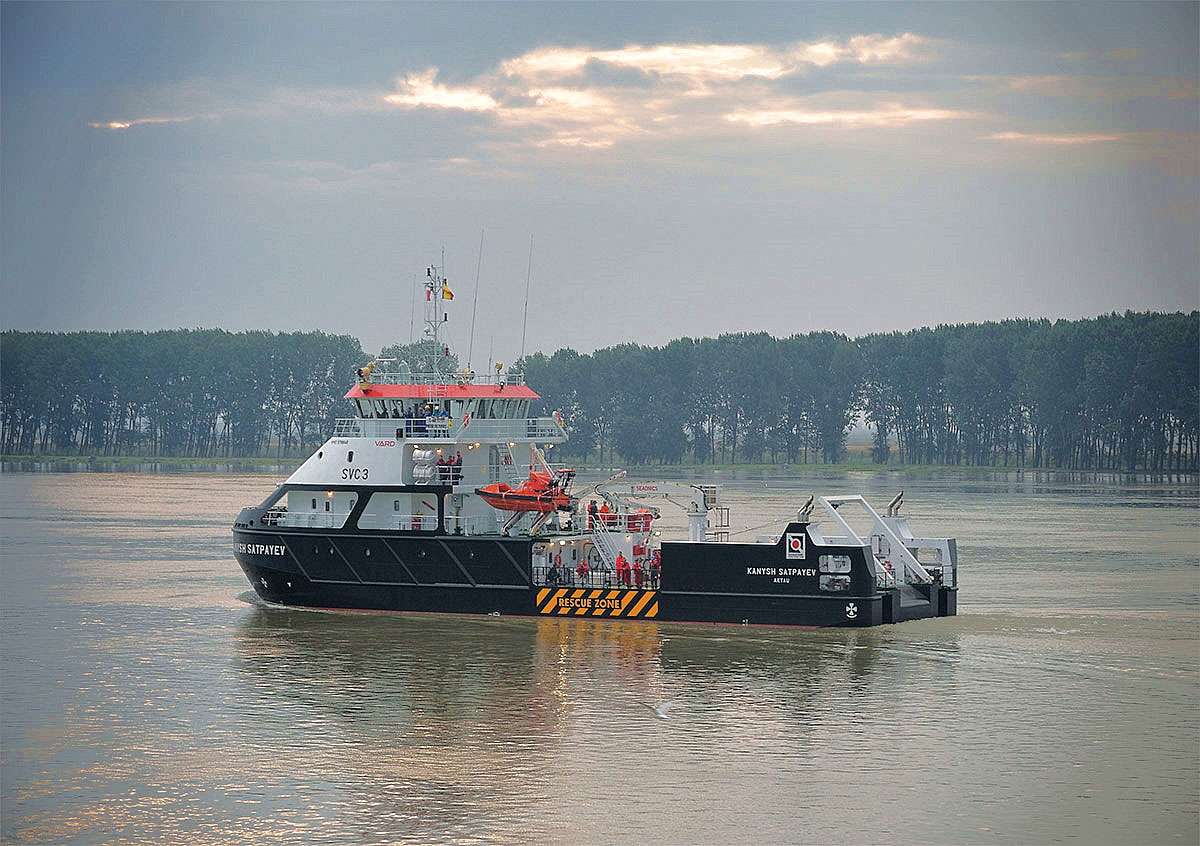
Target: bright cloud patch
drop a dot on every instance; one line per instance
(1044, 138)
(421, 90)
(126, 124)
(893, 115)
(574, 97)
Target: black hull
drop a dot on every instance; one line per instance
(709, 583)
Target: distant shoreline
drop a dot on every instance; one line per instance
(138, 463)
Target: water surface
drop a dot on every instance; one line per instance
(145, 697)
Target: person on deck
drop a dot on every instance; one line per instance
(592, 512)
(637, 573)
(655, 568)
(443, 473)
(457, 471)
(603, 514)
(623, 570)
(582, 571)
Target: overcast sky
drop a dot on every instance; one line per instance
(683, 169)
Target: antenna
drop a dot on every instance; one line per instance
(412, 314)
(525, 318)
(475, 303)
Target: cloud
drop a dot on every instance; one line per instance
(1098, 87)
(574, 97)
(1046, 138)
(1116, 54)
(892, 114)
(421, 90)
(704, 63)
(127, 124)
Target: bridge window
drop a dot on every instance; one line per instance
(834, 563)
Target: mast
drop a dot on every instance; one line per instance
(437, 293)
(525, 318)
(475, 304)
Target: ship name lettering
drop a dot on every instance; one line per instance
(385, 443)
(355, 473)
(797, 571)
(260, 548)
(760, 571)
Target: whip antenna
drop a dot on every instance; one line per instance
(475, 303)
(525, 318)
(412, 313)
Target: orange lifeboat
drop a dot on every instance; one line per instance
(541, 492)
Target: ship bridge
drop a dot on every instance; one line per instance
(430, 408)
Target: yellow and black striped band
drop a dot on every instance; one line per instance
(582, 602)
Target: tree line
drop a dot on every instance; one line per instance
(203, 393)
(1118, 392)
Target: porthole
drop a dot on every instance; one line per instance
(368, 553)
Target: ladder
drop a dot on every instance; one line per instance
(602, 539)
(514, 478)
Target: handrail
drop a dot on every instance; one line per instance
(524, 429)
(401, 377)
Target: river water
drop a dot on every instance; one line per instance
(146, 697)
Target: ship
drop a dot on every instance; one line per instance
(437, 495)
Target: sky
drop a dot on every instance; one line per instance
(653, 170)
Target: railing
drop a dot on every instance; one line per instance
(304, 519)
(540, 429)
(550, 576)
(405, 377)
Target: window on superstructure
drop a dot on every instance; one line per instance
(327, 505)
(314, 503)
(350, 457)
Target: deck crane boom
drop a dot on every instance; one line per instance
(698, 500)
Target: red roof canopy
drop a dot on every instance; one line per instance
(427, 392)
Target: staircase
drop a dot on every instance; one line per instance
(602, 539)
